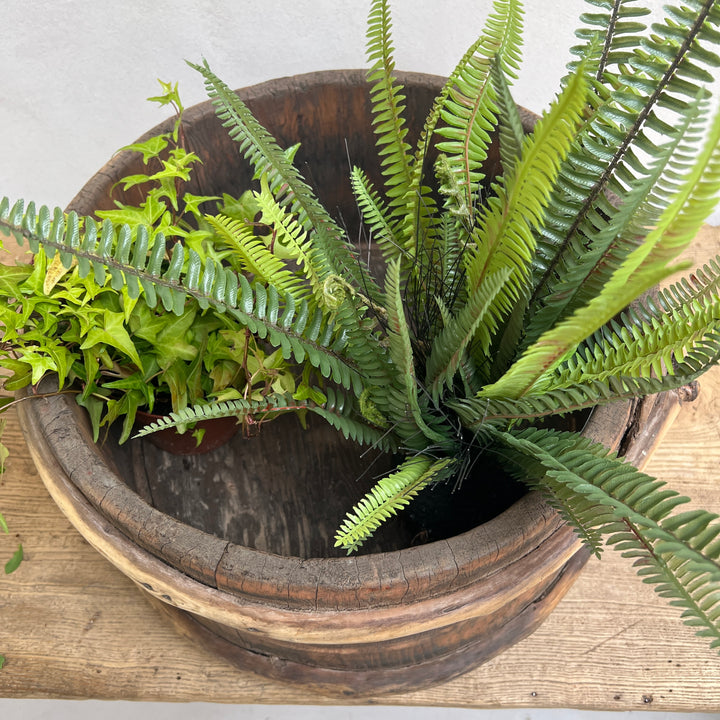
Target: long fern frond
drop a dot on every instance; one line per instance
(469, 110)
(388, 105)
(561, 399)
(468, 326)
(132, 261)
(331, 254)
(678, 553)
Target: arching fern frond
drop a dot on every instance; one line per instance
(130, 260)
(561, 399)
(587, 265)
(387, 497)
(677, 553)
(646, 266)
(331, 253)
(625, 123)
(241, 409)
(643, 348)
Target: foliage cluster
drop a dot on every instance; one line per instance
(503, 300)
(122, 352)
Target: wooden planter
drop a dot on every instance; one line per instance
(236, 545)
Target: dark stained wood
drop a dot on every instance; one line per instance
(241, 538)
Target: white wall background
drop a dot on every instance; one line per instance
(74, 75)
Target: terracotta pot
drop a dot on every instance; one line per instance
(218, 431)
(236, 545)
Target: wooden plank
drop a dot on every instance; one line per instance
(73, 626)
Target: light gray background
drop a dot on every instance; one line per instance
(74, 75)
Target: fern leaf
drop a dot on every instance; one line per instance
(643, 344)
(677, 553)
(331, 254)
(469, 110)
(504, 236)
(587, 267)
(257, 259)
(511, 133)
(448, 348)
(212, 411)
(387, 497)
(387, 105)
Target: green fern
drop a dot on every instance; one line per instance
(469, 111)
(300, 333)
(677, 553)
(387, 497)
(388, 105)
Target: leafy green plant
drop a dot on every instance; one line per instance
(121, 352)
(504, 298)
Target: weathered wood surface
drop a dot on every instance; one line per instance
(73, 626)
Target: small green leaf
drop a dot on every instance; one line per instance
(3, 524)
(2, 661)
(14, 562)
(150, 148)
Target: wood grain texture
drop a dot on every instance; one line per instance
(73, 626)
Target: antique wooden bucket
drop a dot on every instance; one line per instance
(236, 545)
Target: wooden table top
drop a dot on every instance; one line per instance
(72, 626)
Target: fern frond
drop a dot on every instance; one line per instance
(638, 346)
(647, 265)
(469, 110)
(387, 497)
(387, 106)
(562, 399)
(133, 262)
(615, 22)
(586, 267)
(510, 127)
(331, 254)
(240, 408)
(504, 235)
(677, 553)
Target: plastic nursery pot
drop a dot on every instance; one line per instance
(236, 544)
